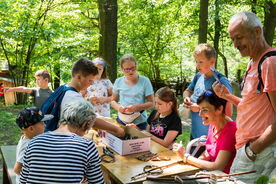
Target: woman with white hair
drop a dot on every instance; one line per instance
(63, 156)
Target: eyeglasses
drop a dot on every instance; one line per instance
(131, 69)
(203, 111)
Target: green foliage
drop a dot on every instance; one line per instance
(184, 137)
(161, 34)
(272, 179)
(262, 180)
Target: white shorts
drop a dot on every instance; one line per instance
(264, 164)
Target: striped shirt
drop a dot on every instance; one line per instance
(61, 158)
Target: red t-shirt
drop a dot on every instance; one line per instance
(225, 141)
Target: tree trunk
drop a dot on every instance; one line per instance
(56, 77)
(203, 21)
(217, 30)
(225, 63)
(269, 21)
(108, 31)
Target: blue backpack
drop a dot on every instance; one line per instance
(52, 106)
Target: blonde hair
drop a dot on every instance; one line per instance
(206, 49)
(127, 57)
(43, 73)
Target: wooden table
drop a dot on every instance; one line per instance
(128, 166)
(8, 156)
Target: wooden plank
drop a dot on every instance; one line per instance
(128, 166)
(9, 156)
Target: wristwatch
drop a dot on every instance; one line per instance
(249, 152)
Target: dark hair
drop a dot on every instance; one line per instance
(167, 95)
(43, 73)
(84, 67)
(211, 97)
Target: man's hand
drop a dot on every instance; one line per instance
(221, 90)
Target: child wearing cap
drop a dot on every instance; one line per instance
(31, 122)
(100, 91)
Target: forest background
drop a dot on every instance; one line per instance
(161, 34)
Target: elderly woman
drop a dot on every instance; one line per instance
(220, 145)
(63, 156)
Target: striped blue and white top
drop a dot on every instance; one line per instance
(61, 158)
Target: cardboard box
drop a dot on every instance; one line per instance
(125, 147)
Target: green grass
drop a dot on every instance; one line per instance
(9, 131)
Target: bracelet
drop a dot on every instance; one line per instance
(185, 159)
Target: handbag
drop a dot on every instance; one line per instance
(128, 117)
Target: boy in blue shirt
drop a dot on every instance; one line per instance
(205, 56)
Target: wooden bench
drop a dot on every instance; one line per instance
(8, 155)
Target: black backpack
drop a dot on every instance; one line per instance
(260, 84)
(52, 106)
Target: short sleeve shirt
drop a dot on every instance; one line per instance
(130, 95)
(199, 84)
(225, 141)
(100, 88)
(69, 95)
(40, 96)
(20, 150)
(159, 127)
(255, 112)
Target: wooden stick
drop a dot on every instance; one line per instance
(199, 177)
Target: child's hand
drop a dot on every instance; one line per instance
(131, 108)
(187, 102)
(132, 125)
(94, 99)
(179, 149)
(122, 109)
(6, 89)
(194, 107)
(102, 100)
